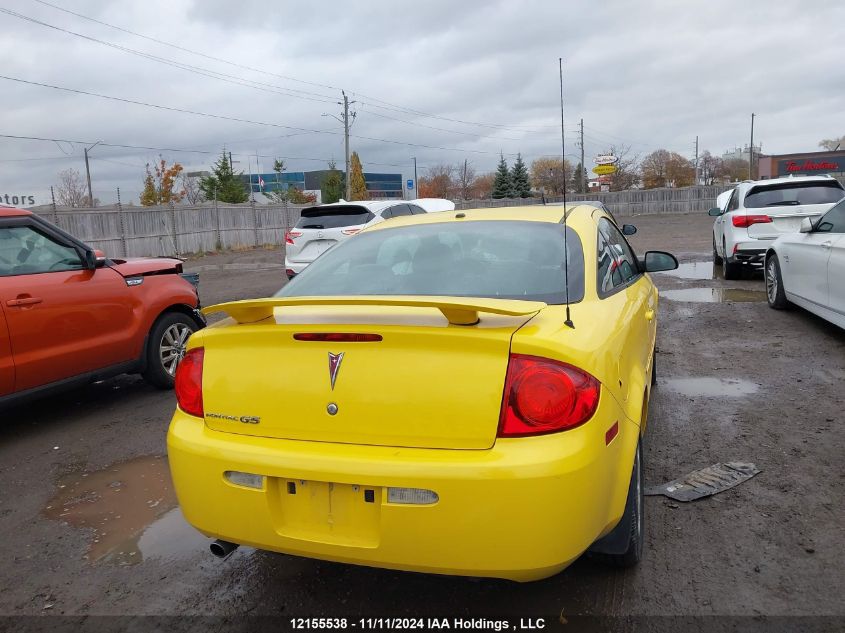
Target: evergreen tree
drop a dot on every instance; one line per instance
(520, 183)
(332, 185)
(223, 184)
(356, 178)
(576, 184)
(502, 186)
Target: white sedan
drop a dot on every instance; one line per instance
(808, 268)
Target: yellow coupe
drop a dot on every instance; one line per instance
(455, 393)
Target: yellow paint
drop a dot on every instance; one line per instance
(418, 409)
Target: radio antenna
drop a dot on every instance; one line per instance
(568, 321)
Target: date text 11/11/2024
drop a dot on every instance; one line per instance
(419, 624)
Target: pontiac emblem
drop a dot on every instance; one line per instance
(334, 366)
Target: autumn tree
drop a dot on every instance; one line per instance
(438, 182)
(709, 168)
(733, 169)
(482, 186)
(356, 179)
(71, 191)
(332, 186)
(519, 179)
(832, 144)
(161, 184)
(548, 174)
(502, 184)
(223, 184)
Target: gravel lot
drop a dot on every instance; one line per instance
(89, 523)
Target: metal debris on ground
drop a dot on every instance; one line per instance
(705, 482)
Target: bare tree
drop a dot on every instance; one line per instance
(71, 191)
(627, 173)
(191, 188)
(832, 144)
(438, 182)
(466, 180)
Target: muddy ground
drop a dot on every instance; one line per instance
(89, 523)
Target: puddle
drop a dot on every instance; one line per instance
(693, 270)
(131, 508)
(713, 387)
(714, 295)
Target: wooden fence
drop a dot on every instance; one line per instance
(122, 231)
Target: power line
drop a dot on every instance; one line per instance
(239, 120)
(386, 105)
(171, 149)
(197, 70)
(431, 127)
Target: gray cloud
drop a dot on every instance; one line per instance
(649, 74)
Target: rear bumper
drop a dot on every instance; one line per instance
(750, 252)
(522, 510)
(294, 268)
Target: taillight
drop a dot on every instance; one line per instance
(290, 236)
(188, 384)
(545, 396)
(744, 221)
(350, 231)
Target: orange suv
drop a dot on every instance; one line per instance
(69, 315)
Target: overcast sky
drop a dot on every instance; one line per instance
(648, 74)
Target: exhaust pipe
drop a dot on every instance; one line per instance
(221, 549)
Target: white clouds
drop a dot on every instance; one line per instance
(653, 73)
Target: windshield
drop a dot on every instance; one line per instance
(791, 194)
(333, 217)
(495, 259)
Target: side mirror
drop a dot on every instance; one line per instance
(628, 229)
(657, 261)
(90, 259)
(806, 226)
(715, 211)
(100, 258)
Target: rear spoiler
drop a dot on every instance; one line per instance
(458, 310)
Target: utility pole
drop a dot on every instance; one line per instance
(583, 175)
(696, 160)
(88, 173)
(346, 126)
(416, 182)
(751, 151)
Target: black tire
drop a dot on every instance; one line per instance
(623, 547)
(654, 368)
(717, 260)
(166, 347)
(730, 270)
(775, 293)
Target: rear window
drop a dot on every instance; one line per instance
(493, 259)
(792, 194)
(333, 217)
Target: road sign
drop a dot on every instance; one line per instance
(604, 169)
(410, 184)
(606, 159)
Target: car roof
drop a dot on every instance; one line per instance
(11, 212)
(534, 213)
(370, 205)
(785, 180)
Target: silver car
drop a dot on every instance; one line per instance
(319, 228)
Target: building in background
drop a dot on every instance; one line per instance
(379, 186)
(802, 164)
(741, 153)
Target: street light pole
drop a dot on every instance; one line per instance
(88, 173)
(416, 182)
(751, 151)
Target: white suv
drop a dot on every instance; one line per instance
(319, 228)
(754, 213)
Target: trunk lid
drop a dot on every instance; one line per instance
(787, 204)
(427, 383)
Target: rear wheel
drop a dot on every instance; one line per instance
(730, 270)
(775, 293)
(716, 258)
(166, 347)
(623, 547)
